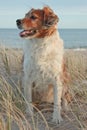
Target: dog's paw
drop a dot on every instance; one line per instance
(29, 110)
(57, 118)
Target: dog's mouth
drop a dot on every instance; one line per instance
(27, 33)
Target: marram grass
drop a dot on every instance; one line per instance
(13, 102)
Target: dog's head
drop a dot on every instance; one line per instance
(38, 23)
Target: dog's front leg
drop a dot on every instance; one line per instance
(57, 101)
(28, 95)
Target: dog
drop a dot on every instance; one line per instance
(43, 55)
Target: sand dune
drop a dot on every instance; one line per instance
(10, 77)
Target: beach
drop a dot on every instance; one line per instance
(12, 99)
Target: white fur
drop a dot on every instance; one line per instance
(43, 59)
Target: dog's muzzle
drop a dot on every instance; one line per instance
(19, 23)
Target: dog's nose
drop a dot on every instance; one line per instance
(18, 21)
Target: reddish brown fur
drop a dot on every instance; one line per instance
(41, 17)
(65, 77)
(45, 32)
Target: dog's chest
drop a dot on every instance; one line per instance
(42, 61)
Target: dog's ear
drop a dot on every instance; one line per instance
(49, 17)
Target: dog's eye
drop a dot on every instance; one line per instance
(33, 17)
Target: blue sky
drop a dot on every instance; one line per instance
(72, 13)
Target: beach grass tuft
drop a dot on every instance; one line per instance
(13, 102)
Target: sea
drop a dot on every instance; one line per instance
(73, 38)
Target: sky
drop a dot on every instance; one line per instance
(72, 13)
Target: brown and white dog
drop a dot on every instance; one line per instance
(43, 55)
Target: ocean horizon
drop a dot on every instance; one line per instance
(73, 38)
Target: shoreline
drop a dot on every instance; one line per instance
(21, 48)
